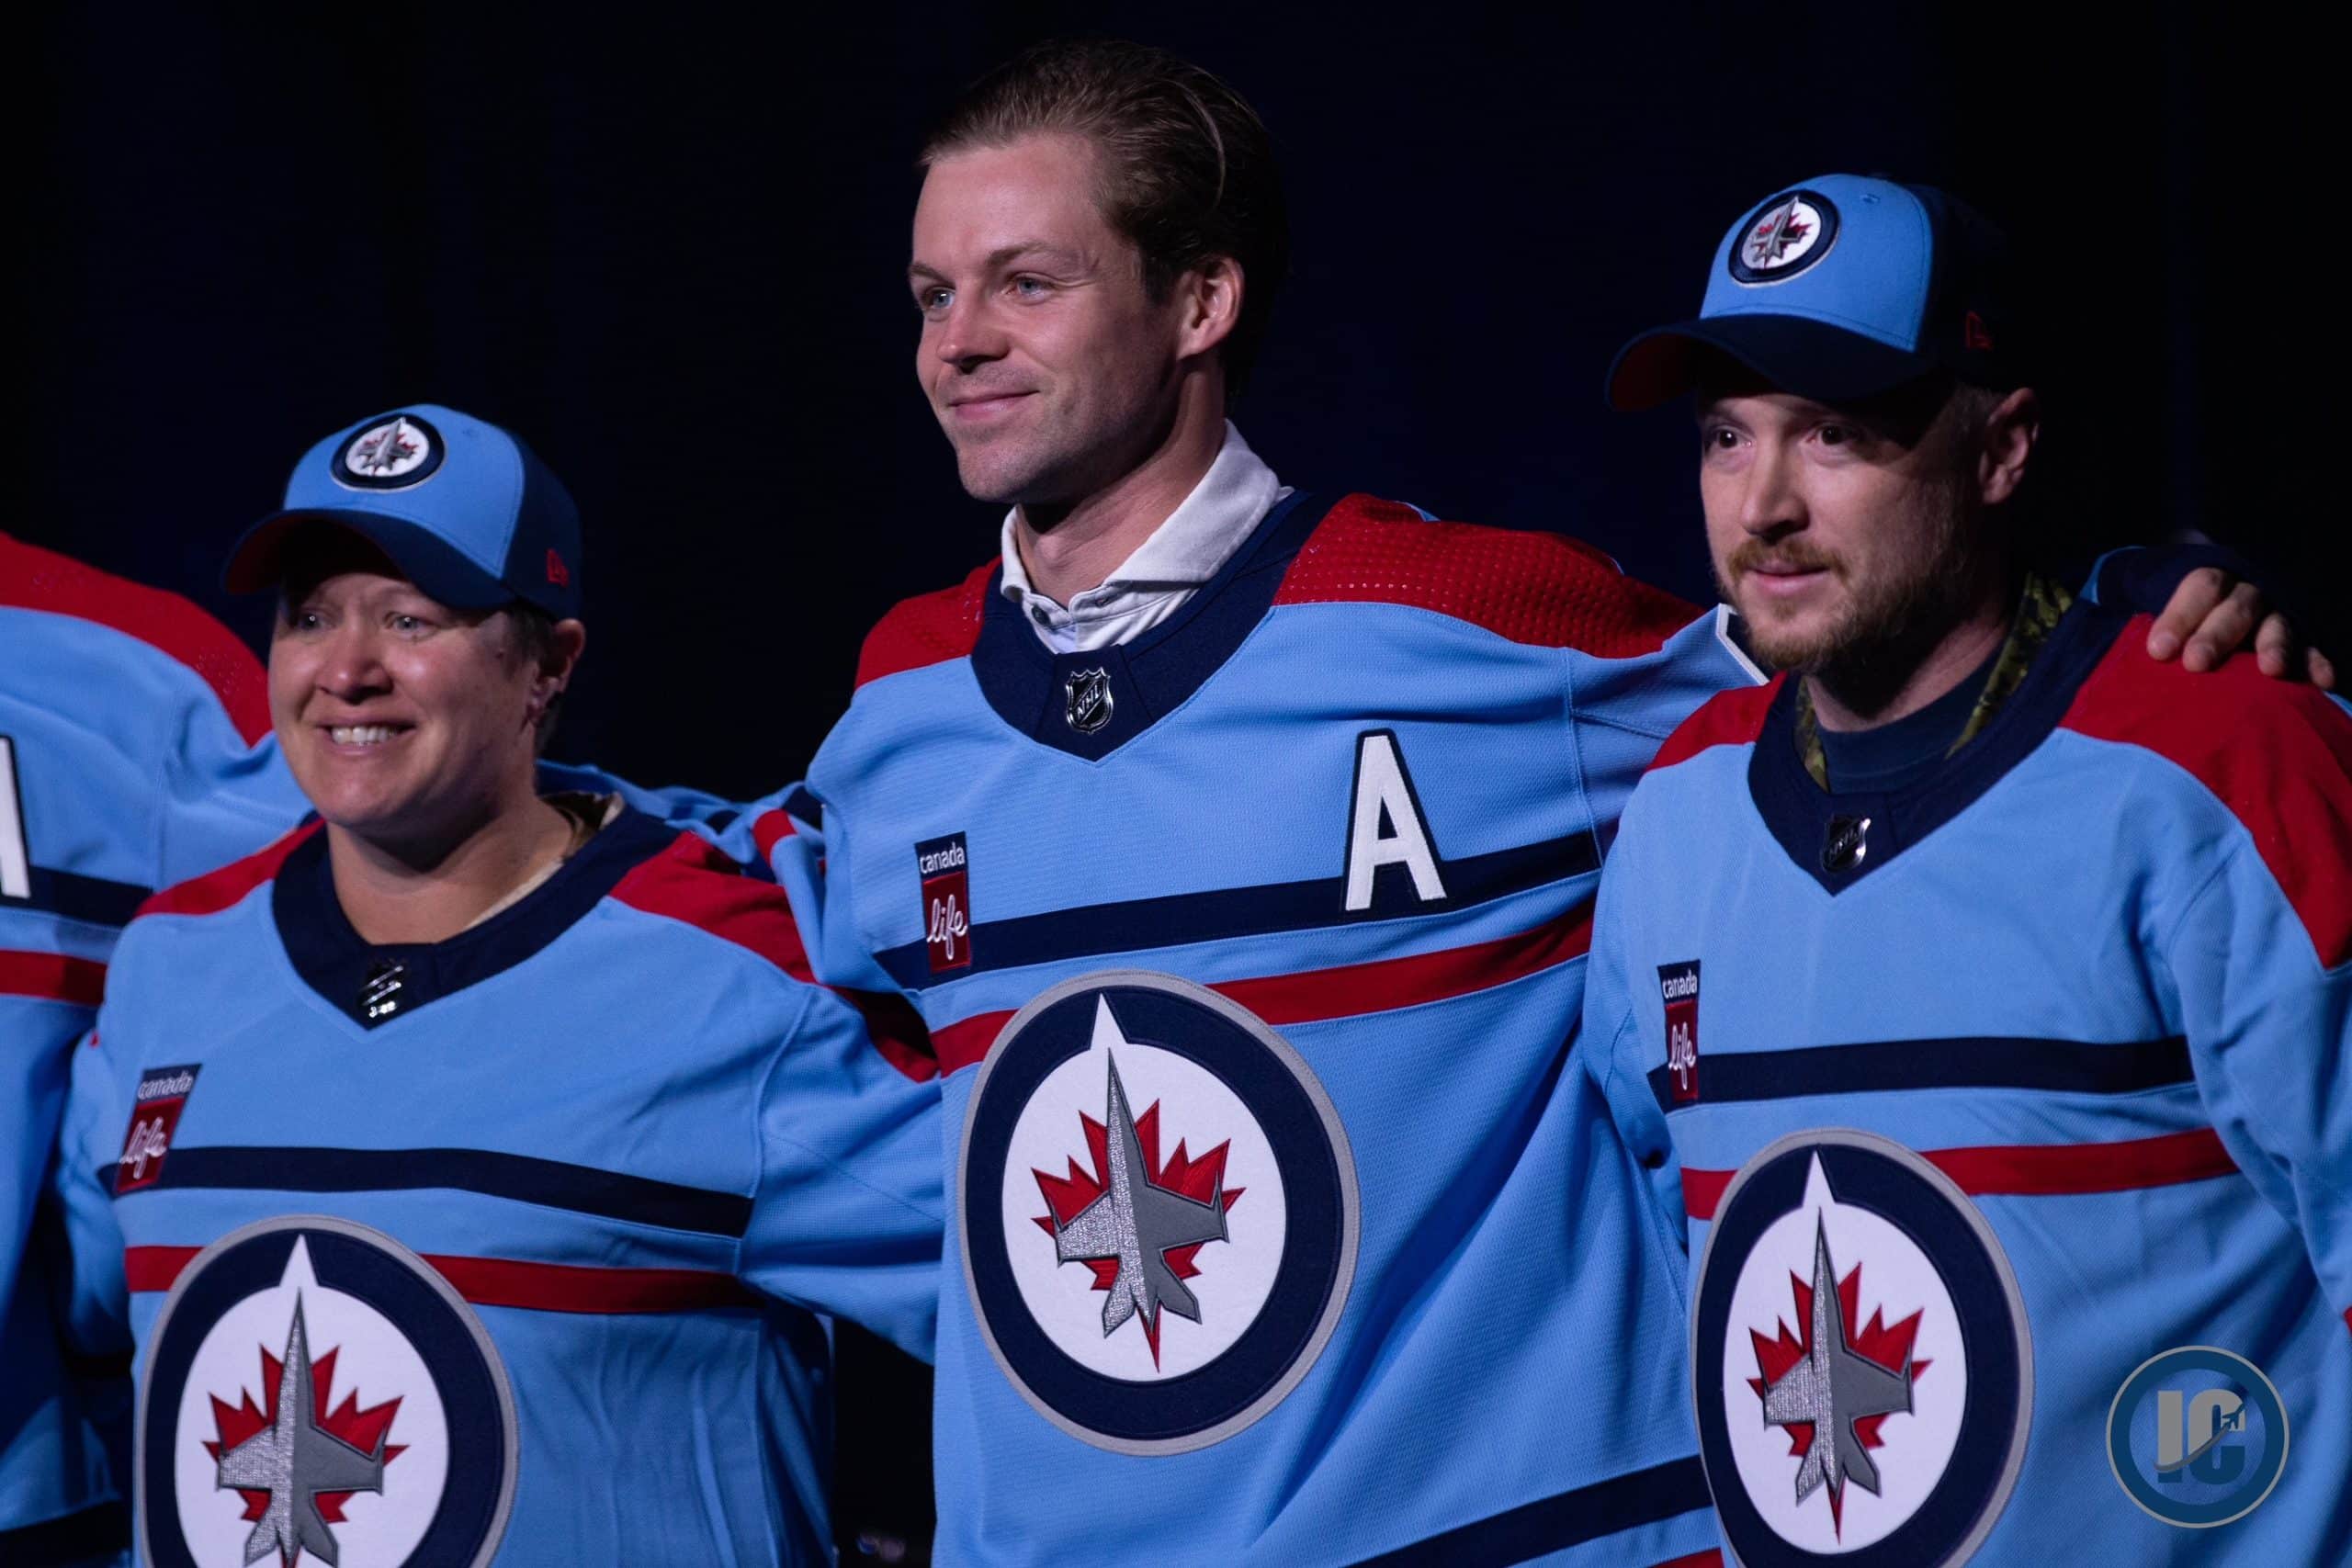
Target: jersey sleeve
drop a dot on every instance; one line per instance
(97, 1305)
(1622, 709)
(847, 1217)
(2268, 1015)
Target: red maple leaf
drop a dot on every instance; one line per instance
(363, 1429)
(1888, 1345)
(1067, 1196)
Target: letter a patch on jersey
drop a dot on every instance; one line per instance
(1386, 826)
(1678, 987)
(945, 866)
(155, 1117)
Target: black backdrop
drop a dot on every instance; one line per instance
(666, 243)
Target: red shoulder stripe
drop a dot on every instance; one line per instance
(1728, 718)
(692, 881)
(769, 829)
(34, 579)
(930, 628)
(215, 890)
(1541, 589)
(2277, 753)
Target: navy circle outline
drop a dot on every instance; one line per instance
(2190, 1357)
(1757, 276)
(1311, 1281)
(477, 1406)
(1883, 1177)
(341, 470)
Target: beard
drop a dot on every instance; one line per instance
(1894, 615)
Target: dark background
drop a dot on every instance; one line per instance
(666, 244)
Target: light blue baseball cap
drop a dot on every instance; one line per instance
(1837, 289)
(466, 509)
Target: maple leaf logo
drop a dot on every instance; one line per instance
(1885, 1346)
(1085, 1202)
(363, 1429)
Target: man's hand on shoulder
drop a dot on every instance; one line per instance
(2214, 614)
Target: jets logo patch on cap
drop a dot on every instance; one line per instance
(316, 1390)
(391, 454)
(1861, 1364)
(1783, 237)
(1159, 1213)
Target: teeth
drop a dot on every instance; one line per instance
(360, 734)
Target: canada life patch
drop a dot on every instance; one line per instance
(1861, 1365)
(1678, 987)
(944, 867)
(155, 1110)
(315, 1391)
(1159, 1214)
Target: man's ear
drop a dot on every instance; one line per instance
(567, 640)
(2007, 445)
(1210, 295)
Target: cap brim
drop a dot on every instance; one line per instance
(424, 557)
(1796, 353)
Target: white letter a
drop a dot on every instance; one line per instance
(1382, 793)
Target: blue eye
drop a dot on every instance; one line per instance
(1032, 287)
(931, 301)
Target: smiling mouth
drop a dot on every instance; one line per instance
(364, 734)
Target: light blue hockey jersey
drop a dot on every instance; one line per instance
(500, 1250)
(1251, 952)
(1982, 1096)
(134, 752)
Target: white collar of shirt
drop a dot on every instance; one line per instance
(1153, 583)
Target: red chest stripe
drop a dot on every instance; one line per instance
(503, 1281)
(1349, 990)
(2039, 1170)
(52, 978)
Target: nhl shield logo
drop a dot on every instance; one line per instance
(1158, 1212)
(1086, 700)
(315, 1391)
(1783, 237)
(1861, 1359)
(391, 454)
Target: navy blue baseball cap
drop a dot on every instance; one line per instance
(467, 511)
(1839, 289)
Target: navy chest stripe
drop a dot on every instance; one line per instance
(94, 900)
(1225, 913)
(2057, 1066)
(551, 1184)
(1551, 1524)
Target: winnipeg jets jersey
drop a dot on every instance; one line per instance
(500, 1250)
(134, 751)
(1251, 951)
(2012, 1115)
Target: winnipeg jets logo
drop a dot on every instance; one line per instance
(1863, 1370)
(1831, 1390)
(1136, 1224)
(315, 1394)
(391, 454)
(1123, 1285)
(293, 1461)
(1783, 237)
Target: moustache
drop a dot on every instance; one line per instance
(1787, 556)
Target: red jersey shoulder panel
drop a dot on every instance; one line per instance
(693, 882)
(2278, 754)
(1541, 589)
(217, 890)
(34, 579)
(930, 628)
(1728, 718)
